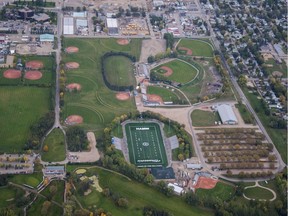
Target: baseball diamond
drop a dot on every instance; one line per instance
(145, 144)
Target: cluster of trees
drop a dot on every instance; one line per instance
(169, 40)
(38, 130)
(117, 199)
(157, 21)
(242, 174)
(76, 139)
(132, 11)
(223, 73)
(163, 188)
(168, 54)
(103, 70)
(150, 211)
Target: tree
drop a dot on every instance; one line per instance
(45, 207)
(45, 148)
(242, 80)
(181, 157)
(123, 202)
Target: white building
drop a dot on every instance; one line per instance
(68, 26)
(178, 190)
(227, 114)
(112, 26)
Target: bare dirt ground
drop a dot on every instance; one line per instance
(267, 56)
(72, 65)
(151, 47)
(74, 119)
(72, 49)
(89, 156)
(9, 62)
(73, 86)
(24, 49)
(168, 70)
(122, 96)
(12, 74)
(155, 98)
(188, 51)
(33, 75)
(123, 41)
(34, 65)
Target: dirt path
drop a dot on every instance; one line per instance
(151, 47)
(265, 188)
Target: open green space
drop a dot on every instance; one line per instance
(245, 114)
(145, 144)
(119, 71)
(36, 207)
(271, 65)
(30, 179)
(201, 118)
(164, 93)
(20, 107)
(118, 131)
(55, 191)
(56, 146)
(95, 103)
(198, 47)
(138, 196)
(183, 72)
(35, 3)
(221, 191)
(278, 136)
(258, 193)
(7, 193)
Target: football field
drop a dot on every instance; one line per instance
(145, 144)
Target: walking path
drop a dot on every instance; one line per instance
(260, 186)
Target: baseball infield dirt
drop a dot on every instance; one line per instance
(168, 70)
(188, 51)
(33, 75)
(12, 74)
(74, 119)
(154, 98)
(72, 65)
(123, 41)
(72, 49)
(73, 86)
(122, 96)
(206, 183)
(34, 65)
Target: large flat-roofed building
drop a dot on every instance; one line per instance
(54, 170)
(112, 26)
(46, 38)
(227, 114)
(68, 26)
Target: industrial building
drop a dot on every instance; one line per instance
(227, 114)
(112, 26)
(68, 26)
(177, 190)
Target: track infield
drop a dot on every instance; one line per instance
(145, 144)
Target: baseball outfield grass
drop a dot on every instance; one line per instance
(119, 71)
(56, 146)
(165, 94)
(182, 71)
(198, 47)
(221, 190)
(95, 103)
(20, 107)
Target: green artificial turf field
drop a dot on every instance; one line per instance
(145, 144)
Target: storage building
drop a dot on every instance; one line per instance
(227, 114)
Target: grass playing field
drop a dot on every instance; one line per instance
(275, 67)
(221, 190)
(20, 107)
(145, 144)
(119, 71)
(95, 103)
(182, 71)
(198, 47)
(56, 147)
(201, 118)
(165, 94)
(138, 196)
(258, 193)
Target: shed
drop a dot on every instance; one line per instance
(194, 166)
(227, 114)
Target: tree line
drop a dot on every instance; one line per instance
(103, 70)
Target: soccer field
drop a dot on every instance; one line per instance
(145, 144)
